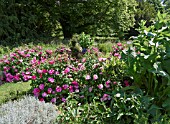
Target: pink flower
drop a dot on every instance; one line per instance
(119, 44)
(33, 77)
(51, 62)
(44, 94)
(41, 86)
(90, 89)
(41, 99)
(39, 71)
(71, 89)
(83, 60)
(88, 77)
(44, 71)
(80, 64)
(57, 73)
(115, 83)
(51, 80)
(63, 99)
(102, 59)
(49, 90)
(58, 89)
(74, 83)
(116, 54)
(53, 100)
(65, 86)
(107, 84)
(6, 61)
(67, 70)
(33, 61)
(100, 86)
(49, 51)
(16, 77)
(28, 73)
(51, 71)
(126, 83)
(105, 97)
(36, 92)
(95, 77)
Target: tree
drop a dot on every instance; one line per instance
(75, 16)
(94, 16)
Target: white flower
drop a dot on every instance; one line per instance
(128, 99)
(117, 95)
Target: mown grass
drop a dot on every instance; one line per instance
(12, 91)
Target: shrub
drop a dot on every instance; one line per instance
(121, 108)
(85, 40)
(27, 110)
(61, 75)
(105, 47)
(148, 61)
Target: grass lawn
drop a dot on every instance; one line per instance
(13, 91)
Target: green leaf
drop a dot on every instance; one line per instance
(166, 104)
(119, 116)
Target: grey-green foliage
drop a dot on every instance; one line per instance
(28, 110)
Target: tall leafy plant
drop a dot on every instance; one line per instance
(148, 60)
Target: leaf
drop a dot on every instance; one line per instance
(154, 109)
(119, 116)
(166, 104)
(129, 88)
(157, 69)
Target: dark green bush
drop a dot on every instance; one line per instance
(23, 19)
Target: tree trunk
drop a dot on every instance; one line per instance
(66, 28)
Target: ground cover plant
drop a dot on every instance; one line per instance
(130, 85)
(34, 112)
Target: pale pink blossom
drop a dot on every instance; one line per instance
(53, 100)
(107, 84)
(44, 94)
(41, 86)
(90, 89)
(100, 86)
(67, 70)
(88, 77)
(51, 80)
(95, 77)
(63, 99)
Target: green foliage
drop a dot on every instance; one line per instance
(85, 40)
(23, 20)
(147, 60)
(123, 108)
(105, 47)
(145, 11)
(94, 16)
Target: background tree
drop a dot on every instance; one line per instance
(95, 16)
(21, 19)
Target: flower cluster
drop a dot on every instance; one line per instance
(56, 74)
